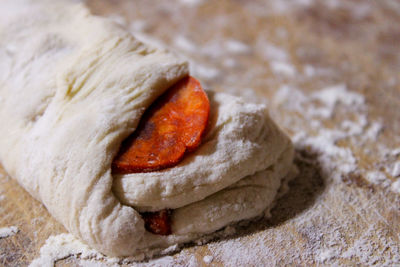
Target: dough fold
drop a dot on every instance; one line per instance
(73, 86)
(241, 141)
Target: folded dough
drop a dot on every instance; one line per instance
(73, 86)
(242, 140)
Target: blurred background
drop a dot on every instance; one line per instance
(254, 48)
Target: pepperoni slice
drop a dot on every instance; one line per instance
(158, 222)
(172, 126)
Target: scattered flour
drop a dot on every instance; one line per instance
(284, 68)
(326, 241)
(364, 249)
(229, 63)
(376, 177)
(94, 263)
(312, 71)
(203, 71)
(184, 44)
(333, 95)
(326, 254)
(396, 186)
(238, 252)
(8, 231)
(236, 47)
(208, 259)
(395, 152)
(277, 57)
(354, 127)
(396, 169)
(282, 7)
(65, 245)
(191, 3)
(272, 52)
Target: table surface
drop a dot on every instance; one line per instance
(329, 71)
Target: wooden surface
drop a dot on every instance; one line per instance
(329, 216)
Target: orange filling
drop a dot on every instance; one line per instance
(172, 126)
(158, 222)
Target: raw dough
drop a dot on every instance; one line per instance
(242, 140)
(73, 86)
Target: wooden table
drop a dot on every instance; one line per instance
(291, 55)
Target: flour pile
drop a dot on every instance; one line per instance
(8, 231)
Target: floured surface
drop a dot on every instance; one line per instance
(8, 231)
(338, 102)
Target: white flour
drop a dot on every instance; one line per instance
(208, 259)
(191, 3)
(395, 172)
(396, 186)
(237, 47)
(8, 231)
(279, 67)
(62, 246)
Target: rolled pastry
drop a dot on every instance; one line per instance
(73, 86)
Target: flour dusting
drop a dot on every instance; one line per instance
(184, 44)
(395, 172)
(191, 3)
(65, 245)
(8, 231)
(208, 259)
(237, 47)
(331, 124)
(396, 186)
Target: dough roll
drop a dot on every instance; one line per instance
(73, 86)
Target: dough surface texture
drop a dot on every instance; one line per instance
(73, 86)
